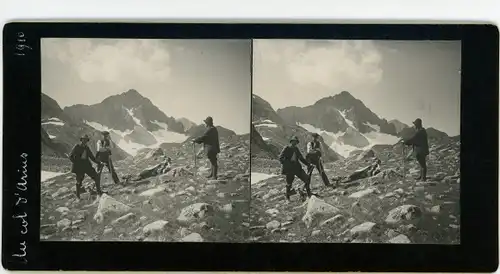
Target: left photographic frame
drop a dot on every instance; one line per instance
(139, 142)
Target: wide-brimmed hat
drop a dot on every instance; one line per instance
(105, 133)
(209, 120)
(417, 122)
(294, 139)
(85, 137)
(315, 135)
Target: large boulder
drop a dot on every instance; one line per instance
(317, 207)
(404, 212)
(195, 211)
(107, 206)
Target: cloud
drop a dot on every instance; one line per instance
(108, 60)
(328, 64)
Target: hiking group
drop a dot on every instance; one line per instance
(291, 159)
(81, 156)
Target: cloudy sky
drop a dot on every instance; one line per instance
(184, 78)
(400, 80)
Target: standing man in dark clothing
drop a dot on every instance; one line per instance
(420, 147)
(210, 141)
(79, 156)
(290, 158)
(313, 156)
(103, 155)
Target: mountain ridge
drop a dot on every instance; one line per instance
(133, 121)
(344, 122)
(123, 111)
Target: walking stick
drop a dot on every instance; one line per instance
(111, 169)
(194, 154)
(321, 165)
(404, 163)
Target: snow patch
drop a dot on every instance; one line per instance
(46, 175)
(52, 136)
(162, 135)
(349, 122)
(267, 125)
(377, 138)
(100, 127)
(333, 141)
(55, 119)
(165, 136)
(54, 123)
(256, 177)
(375, 127)
(130, 147)
(131, 114)
(265, 138)
(96, 125)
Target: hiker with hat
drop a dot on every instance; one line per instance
(161, 168)
(103, 155)
(79, 156)
(313, 156)
(210, 141)
(290, 159)
(420, 145)
(372, 170)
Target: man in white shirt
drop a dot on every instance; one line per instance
(103, 155)
(313, 156)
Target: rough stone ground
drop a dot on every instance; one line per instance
(178, 206)
(374, 210)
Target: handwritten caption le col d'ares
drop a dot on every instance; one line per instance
(21, 201)
(20, 215)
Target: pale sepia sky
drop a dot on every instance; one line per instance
(400, 80)
(184, 78)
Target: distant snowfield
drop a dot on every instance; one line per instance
(54, 121)
(273, 125)
(256, 177)
(131, 113)
(165, 136)
(46, 175)
(332, 139)
(162, 135)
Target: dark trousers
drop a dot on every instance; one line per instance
(111, 169)
(80, 175)
(290, 177)
(421, 159)
(212, 157)
(319, 166)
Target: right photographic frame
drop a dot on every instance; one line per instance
(356, 141)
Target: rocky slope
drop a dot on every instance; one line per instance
(388, 208)
(180, 205)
